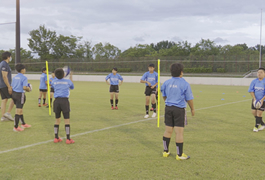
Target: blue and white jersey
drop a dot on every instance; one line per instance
(114, 79)
(257, 87)
(18, 82)
(178, 91)
(43, 79)
(62, 87)
(152, 78)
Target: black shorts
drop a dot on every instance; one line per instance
(114, 88)
(260, 109)
(19, 99)
(61, 105)
(149, 91)
(4, 93)
(52, 90)
(175, 116)
(43, 90)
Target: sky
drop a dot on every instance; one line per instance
(125, 23)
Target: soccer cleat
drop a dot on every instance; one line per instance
(146, 116)
(154, 115)
(45, 104)
(4, 119)
(70, 141)
(255, 129)
(151, 109)
(57, 140)
(8, 116)
(166, 154)
(183, 157)
(23, 126)
(112, 108)
(116, 107)
(39, 105)
(261, 127)
(18, 129)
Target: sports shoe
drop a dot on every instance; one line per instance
(255, 129)
(45, 104)
(166, 154)
(18, 129)
(183, 157)
(154, 115)
(57, 140)
(70, 141)
(116, 107)
(39, 105)
(146, 116)
(151, 109)
(112, 108)
(8, 116)
(4, 119)
(23, 126)
(261, 127)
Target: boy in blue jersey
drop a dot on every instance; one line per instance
(43, 87)
(52, 90)
(115, 80)
(61, 103)
(19, 86)
(176, 92)
(256, 90)
(150, 79)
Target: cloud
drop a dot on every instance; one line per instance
(220, 40)
(139, 39)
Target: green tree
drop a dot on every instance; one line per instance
(106, 51)
(42, 41)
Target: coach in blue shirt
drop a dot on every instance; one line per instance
(5, 86)
(176, 92)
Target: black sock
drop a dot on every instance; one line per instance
(44, 100)
(111, 102)
(261, 122)
(257, 121)
(39, 100)
(51, 100)
(116, 102)
(179, 148)
(67, 130)
(56, 130)
(16, 120)
(22, 119)
(147, 109)
(154, 107)
(166, 142)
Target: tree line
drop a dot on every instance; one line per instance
(48, 45)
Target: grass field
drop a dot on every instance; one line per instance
(116, 144)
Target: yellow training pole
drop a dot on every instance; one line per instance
(48, 84)
(158, 91)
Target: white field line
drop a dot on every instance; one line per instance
(106, 128)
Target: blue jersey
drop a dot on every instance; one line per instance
(152, 78)
(257, 87)
(43, 79)
(62, 87)
(114, 79)
(178, 91)
(18, 82)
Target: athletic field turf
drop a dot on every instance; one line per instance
(120, 144)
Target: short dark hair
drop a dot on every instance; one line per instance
(20, 67)
(115, 69)
(261, 69)
(43, 69)
(151, 65)
(59, 73)
(176, 69)
(6, 55)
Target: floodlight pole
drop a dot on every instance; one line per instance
(17, 60)
(260, 55)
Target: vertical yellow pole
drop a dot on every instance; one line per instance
(158, 91)
(48, 87)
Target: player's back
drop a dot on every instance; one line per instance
(43, 79)
(62, 87)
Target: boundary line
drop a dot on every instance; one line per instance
(110, 127)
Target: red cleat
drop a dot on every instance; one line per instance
(25, 126)
(70, 141)
(151, 109)
(116, 107)
(39, 105)
(57, 140)
(18, 129)
(45, 104)
(112, 108)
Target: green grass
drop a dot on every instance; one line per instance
(219, 140)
